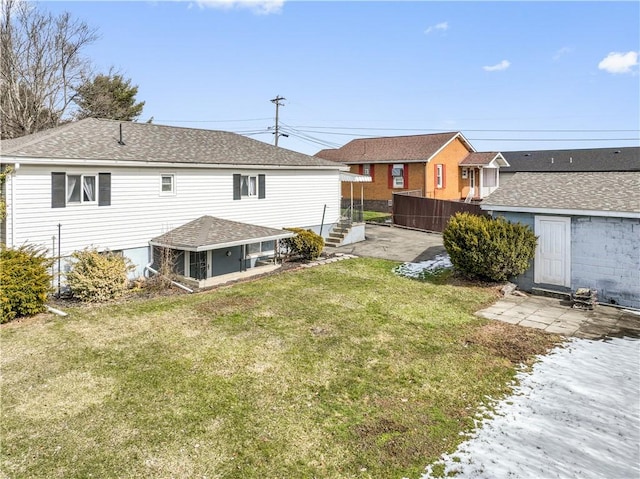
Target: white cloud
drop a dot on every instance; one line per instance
(440, 27)
(260, 7)
(616, 62)
(562, 52)
(503, 65)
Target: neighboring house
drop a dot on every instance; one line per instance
(218, 199)
(558, 161)
(588, 229)
(442, 166)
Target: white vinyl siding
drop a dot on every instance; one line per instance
(296, 198)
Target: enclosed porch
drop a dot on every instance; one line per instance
(210, 251)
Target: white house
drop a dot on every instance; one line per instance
(118, 185)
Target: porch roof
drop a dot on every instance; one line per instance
(354, 178)
(207, 233)
(484, 159)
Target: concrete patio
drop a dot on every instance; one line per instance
(557, 316)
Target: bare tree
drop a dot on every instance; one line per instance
(41, 62)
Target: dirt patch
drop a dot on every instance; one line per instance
(515, 343)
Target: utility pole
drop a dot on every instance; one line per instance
(277, 100)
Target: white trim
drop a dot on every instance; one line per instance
(163, 164)
(566, 257)
(561, 211)
(172, 191)
(224, 245)
(464, 141)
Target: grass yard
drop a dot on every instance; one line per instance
(344, 370)
(376, 216)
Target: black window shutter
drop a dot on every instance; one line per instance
(58, 190)
(262, 192)
(104, 189)
(236, 186)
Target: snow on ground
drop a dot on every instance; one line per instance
(576, 414)
(413, 270)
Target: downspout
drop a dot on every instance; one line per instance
(16, 167)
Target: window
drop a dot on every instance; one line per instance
(465, 173)
(261, 249)
(246, 186)
(440, 178)
(81, 189)
(78, 189)
(367, 170)
(397, 175)
(167, 184)
(249, 185)
(490, 177)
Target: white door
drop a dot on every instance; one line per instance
(552, 263)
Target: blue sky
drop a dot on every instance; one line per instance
(508, 75)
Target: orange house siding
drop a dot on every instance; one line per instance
(421, 176)
(450, 156)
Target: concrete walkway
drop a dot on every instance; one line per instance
(557, 316)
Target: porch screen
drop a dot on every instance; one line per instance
(490, 177)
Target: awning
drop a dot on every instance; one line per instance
(354, 178)
(207, 233)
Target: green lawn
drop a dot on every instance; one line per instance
(339, 371)
(376, 216)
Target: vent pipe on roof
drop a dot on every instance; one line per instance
(552, 160)
(570, 159)
(120, 142)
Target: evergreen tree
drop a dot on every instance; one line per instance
(109, 96)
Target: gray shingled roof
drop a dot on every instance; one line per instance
(408, 149)
(594, 159)
(593, 191)
(207, 233)
(95, 139)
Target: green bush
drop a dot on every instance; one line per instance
(25, 281)
(488, 249)
(305, 243)
(96, 277)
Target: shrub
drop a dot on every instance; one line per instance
(96, 277)
(25, 280)
(305, 243)
(488, 249)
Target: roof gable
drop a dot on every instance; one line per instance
(94, 139)
(484, 159)
(393, 148)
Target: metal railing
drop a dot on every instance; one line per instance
(352, 214)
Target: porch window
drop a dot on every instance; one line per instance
(490, 177)
(263, 248)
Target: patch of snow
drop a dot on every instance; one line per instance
(575, 415)
(414, 270)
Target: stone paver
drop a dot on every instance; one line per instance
(557, 316)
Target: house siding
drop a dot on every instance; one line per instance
(450, 156)
(605, 256)
(139, 212)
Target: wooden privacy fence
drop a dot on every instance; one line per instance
(426, 213)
